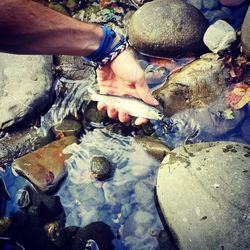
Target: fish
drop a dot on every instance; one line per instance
(133, 106)
(4, 196)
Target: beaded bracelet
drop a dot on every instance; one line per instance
(106, 51)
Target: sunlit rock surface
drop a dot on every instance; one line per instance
(195, 85)
(45, 167)
(167, 28)
(21, 142)
(25, 83)
(71, 67)
(245, 35)
(203, 191)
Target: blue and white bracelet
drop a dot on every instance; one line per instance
(107, 50)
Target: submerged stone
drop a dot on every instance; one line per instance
(203, 191)
(22, 198)
(66, 128)
(167, 28)
(101, 167)
(25, 87)
(45, 168)
(153, 146)
(4, 196)
(194, 86)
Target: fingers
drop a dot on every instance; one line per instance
(140, 121)
(145, 93)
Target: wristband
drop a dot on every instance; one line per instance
(107, 50)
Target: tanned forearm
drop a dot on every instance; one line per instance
(27, 27)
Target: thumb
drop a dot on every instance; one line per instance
(145, 94)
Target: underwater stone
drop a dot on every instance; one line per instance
(153, 146)
(203, 192)
(101, 167)
(22, 198)
(67, 127)
(167, 28)
(4, 225)
(45, 167)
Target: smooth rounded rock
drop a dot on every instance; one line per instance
(245, 35)
(25, 83)
(204, 193)
(101, 167)
(167, 28)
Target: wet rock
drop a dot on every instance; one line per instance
(210, 4)
(167, 28)
(72, 5)
(66, 128)
(34, 74)
(18, 143)
(245, 35)
(54, 230)
(4, 196)
(153, 146)
(219, 36)
(32, 222)
(214, 213)
(214, 15)
(245, 129)
(45, 168)
(59, 8)
(99, 232)
(196, 3)
(4, 225)
(101, 167)
(22, 198)
(232, 2)
(71, 67)
(93, 115)
(195, 85)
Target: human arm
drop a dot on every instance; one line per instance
(27, 27)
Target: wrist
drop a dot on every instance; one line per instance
(110, 46)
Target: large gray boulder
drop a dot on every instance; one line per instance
(204, 193)
(245, 35)
(25, 83)
(167, 28)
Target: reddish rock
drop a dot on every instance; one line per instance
(45, 168)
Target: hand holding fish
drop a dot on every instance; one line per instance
(124, 77)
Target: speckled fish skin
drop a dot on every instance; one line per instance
(131, 105)
(4, 196)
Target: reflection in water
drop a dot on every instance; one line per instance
(125, 201)
(204, 124)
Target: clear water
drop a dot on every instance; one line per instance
(126, 200)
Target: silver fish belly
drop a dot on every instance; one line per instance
(131, 105)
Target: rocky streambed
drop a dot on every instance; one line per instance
(70, 176)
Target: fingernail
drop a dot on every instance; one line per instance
(155, 101)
